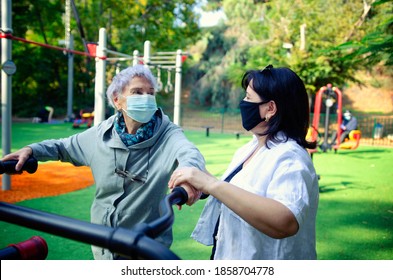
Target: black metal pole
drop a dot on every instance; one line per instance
(125, 242)
(325, 144)
(118, 240)
(34, 248)
(9, 253)
(177, 196)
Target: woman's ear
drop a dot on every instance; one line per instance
(271, 110)
(116, 101)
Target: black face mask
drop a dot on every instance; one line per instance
(250, 114)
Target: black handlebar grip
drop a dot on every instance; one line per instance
(8, 166)
(182, 195)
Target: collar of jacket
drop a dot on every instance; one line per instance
(110, 135)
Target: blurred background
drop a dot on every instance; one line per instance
(345, 43)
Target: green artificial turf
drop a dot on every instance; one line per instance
(355, 215)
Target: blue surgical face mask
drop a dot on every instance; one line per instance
(141, 108)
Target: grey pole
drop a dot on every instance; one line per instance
(135, 58)
(70, 89)
(177, 101)
(8, 68)
(146, 53)
(99, 98)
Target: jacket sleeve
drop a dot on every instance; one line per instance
(186, 153)
(76, 149)
(352, 124)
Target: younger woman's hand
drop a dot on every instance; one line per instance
(194, 177)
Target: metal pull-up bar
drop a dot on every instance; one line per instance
(168, 60)
(164, 60)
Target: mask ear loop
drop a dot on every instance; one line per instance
(267, 118)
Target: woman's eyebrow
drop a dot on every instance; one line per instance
(140, 89)
(135, 88)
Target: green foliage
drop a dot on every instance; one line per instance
(212, 87)
(41, 77)
(165, 23)
(340, 38)
(376, 46)
(261, 28)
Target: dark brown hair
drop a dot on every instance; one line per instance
(287, 90)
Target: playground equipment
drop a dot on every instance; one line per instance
(86, 116)
(353, 142)
(159, 82)
(135, 243)
(331, 95)
(169, 86)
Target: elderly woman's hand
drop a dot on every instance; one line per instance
(21, 156)
(192, 193)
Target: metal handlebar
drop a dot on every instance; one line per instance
(8, 166)
(129, 243)
(178, 196)
(34, 248)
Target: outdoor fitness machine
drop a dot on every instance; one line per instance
(35, 248)
(330, 95)
(135, 243)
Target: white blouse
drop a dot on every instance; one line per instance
(285, 173)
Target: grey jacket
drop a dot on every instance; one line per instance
(125, 202)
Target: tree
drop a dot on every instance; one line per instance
(375, 47)
(41, 77)
(37, 81)
(310, 31)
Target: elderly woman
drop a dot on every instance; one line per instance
(266, 204)
(132, 155)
